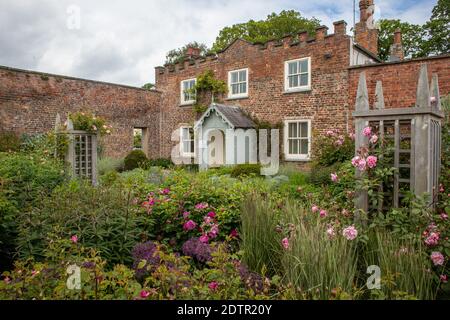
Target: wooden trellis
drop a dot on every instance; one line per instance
(81, 152)
(415, 134)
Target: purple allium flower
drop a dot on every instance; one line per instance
(88, 265)
(147, 251)
(196, 249)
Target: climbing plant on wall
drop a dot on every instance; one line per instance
(208, 89)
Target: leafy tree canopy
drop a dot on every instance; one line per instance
(274, 27)
(432, 38)
(148, 86)
(178, 55)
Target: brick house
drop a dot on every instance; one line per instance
(305, 84)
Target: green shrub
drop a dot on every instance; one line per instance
(103, 218)
(106, 165)
(9, 142)
(135, 159)
(242, 170)
(322, 175)
(260, 241)
(162, 162)
(333, 147)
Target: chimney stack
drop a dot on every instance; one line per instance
(340, 27)
(366, 34)
(321, 32)
(192, 52)
(396, 51)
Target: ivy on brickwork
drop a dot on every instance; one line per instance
(207, 85)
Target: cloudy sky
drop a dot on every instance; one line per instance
(122, 41)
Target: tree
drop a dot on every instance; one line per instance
(178, 55)
(432, 38)
(438, 30)
(412, 38)
(275, 26)
(148, 86)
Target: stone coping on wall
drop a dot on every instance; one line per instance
(443, 56)
(74, 78)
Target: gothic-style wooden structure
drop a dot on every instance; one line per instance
(415, 134)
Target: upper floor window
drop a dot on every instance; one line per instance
(187, 93)
(238, 83)
(297, 139)
(297, 75)
(187, 141)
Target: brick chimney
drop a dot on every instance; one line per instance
(366, 34)
(192, 52)
(396, 51)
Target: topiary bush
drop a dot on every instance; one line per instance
(247, 169)
(135, 159)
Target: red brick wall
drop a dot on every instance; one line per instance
(399, 80)
(29, 102)
(325, 104)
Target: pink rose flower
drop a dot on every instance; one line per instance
(372, 161)
(323, 213)
(214, 232)
(339, 142)
(444, 216)
(432, 99)
(7, 280)
(186, 214)
(234, 233)
(334, 177)
(144, 294)
(201, 206)
(330, 133)
(204, 238)
(165, 191)
(443, 278)
(437, 258)
(190, 225)
(367, 131)
(432, 239)
(350, 233)
(373, 139)
(285, 243)
(331, 232)
(314, 208)
(362, 165)
(212, 214)
(213, 285)
(74, 239)
(355, 161)
(441, 188)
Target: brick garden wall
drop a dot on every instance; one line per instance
(326, 104)
(399, 80)
(29, 102)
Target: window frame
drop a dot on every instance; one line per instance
(296, 157)
(186, 102)
(230, 91)
(182, 141)
(286, 76)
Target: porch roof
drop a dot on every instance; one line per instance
(232, 115)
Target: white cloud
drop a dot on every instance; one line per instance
(122, 41)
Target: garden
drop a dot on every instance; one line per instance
(150, 230)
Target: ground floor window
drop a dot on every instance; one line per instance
(297, 139)
(187, 142)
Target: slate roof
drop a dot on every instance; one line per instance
(233, 115)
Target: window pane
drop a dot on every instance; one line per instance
(242, 76)
(295, 149)
(304, 146)
(293, 68)
(293, 81)
(304, 129)
(304, 79)
(235, 89)
(184, 133)
(192, 146)
(303, 66)
(291, 146)
(234, 77)
(293, 130)
(191, 84)
(185, 85)
(191, 133)
(243, 87)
